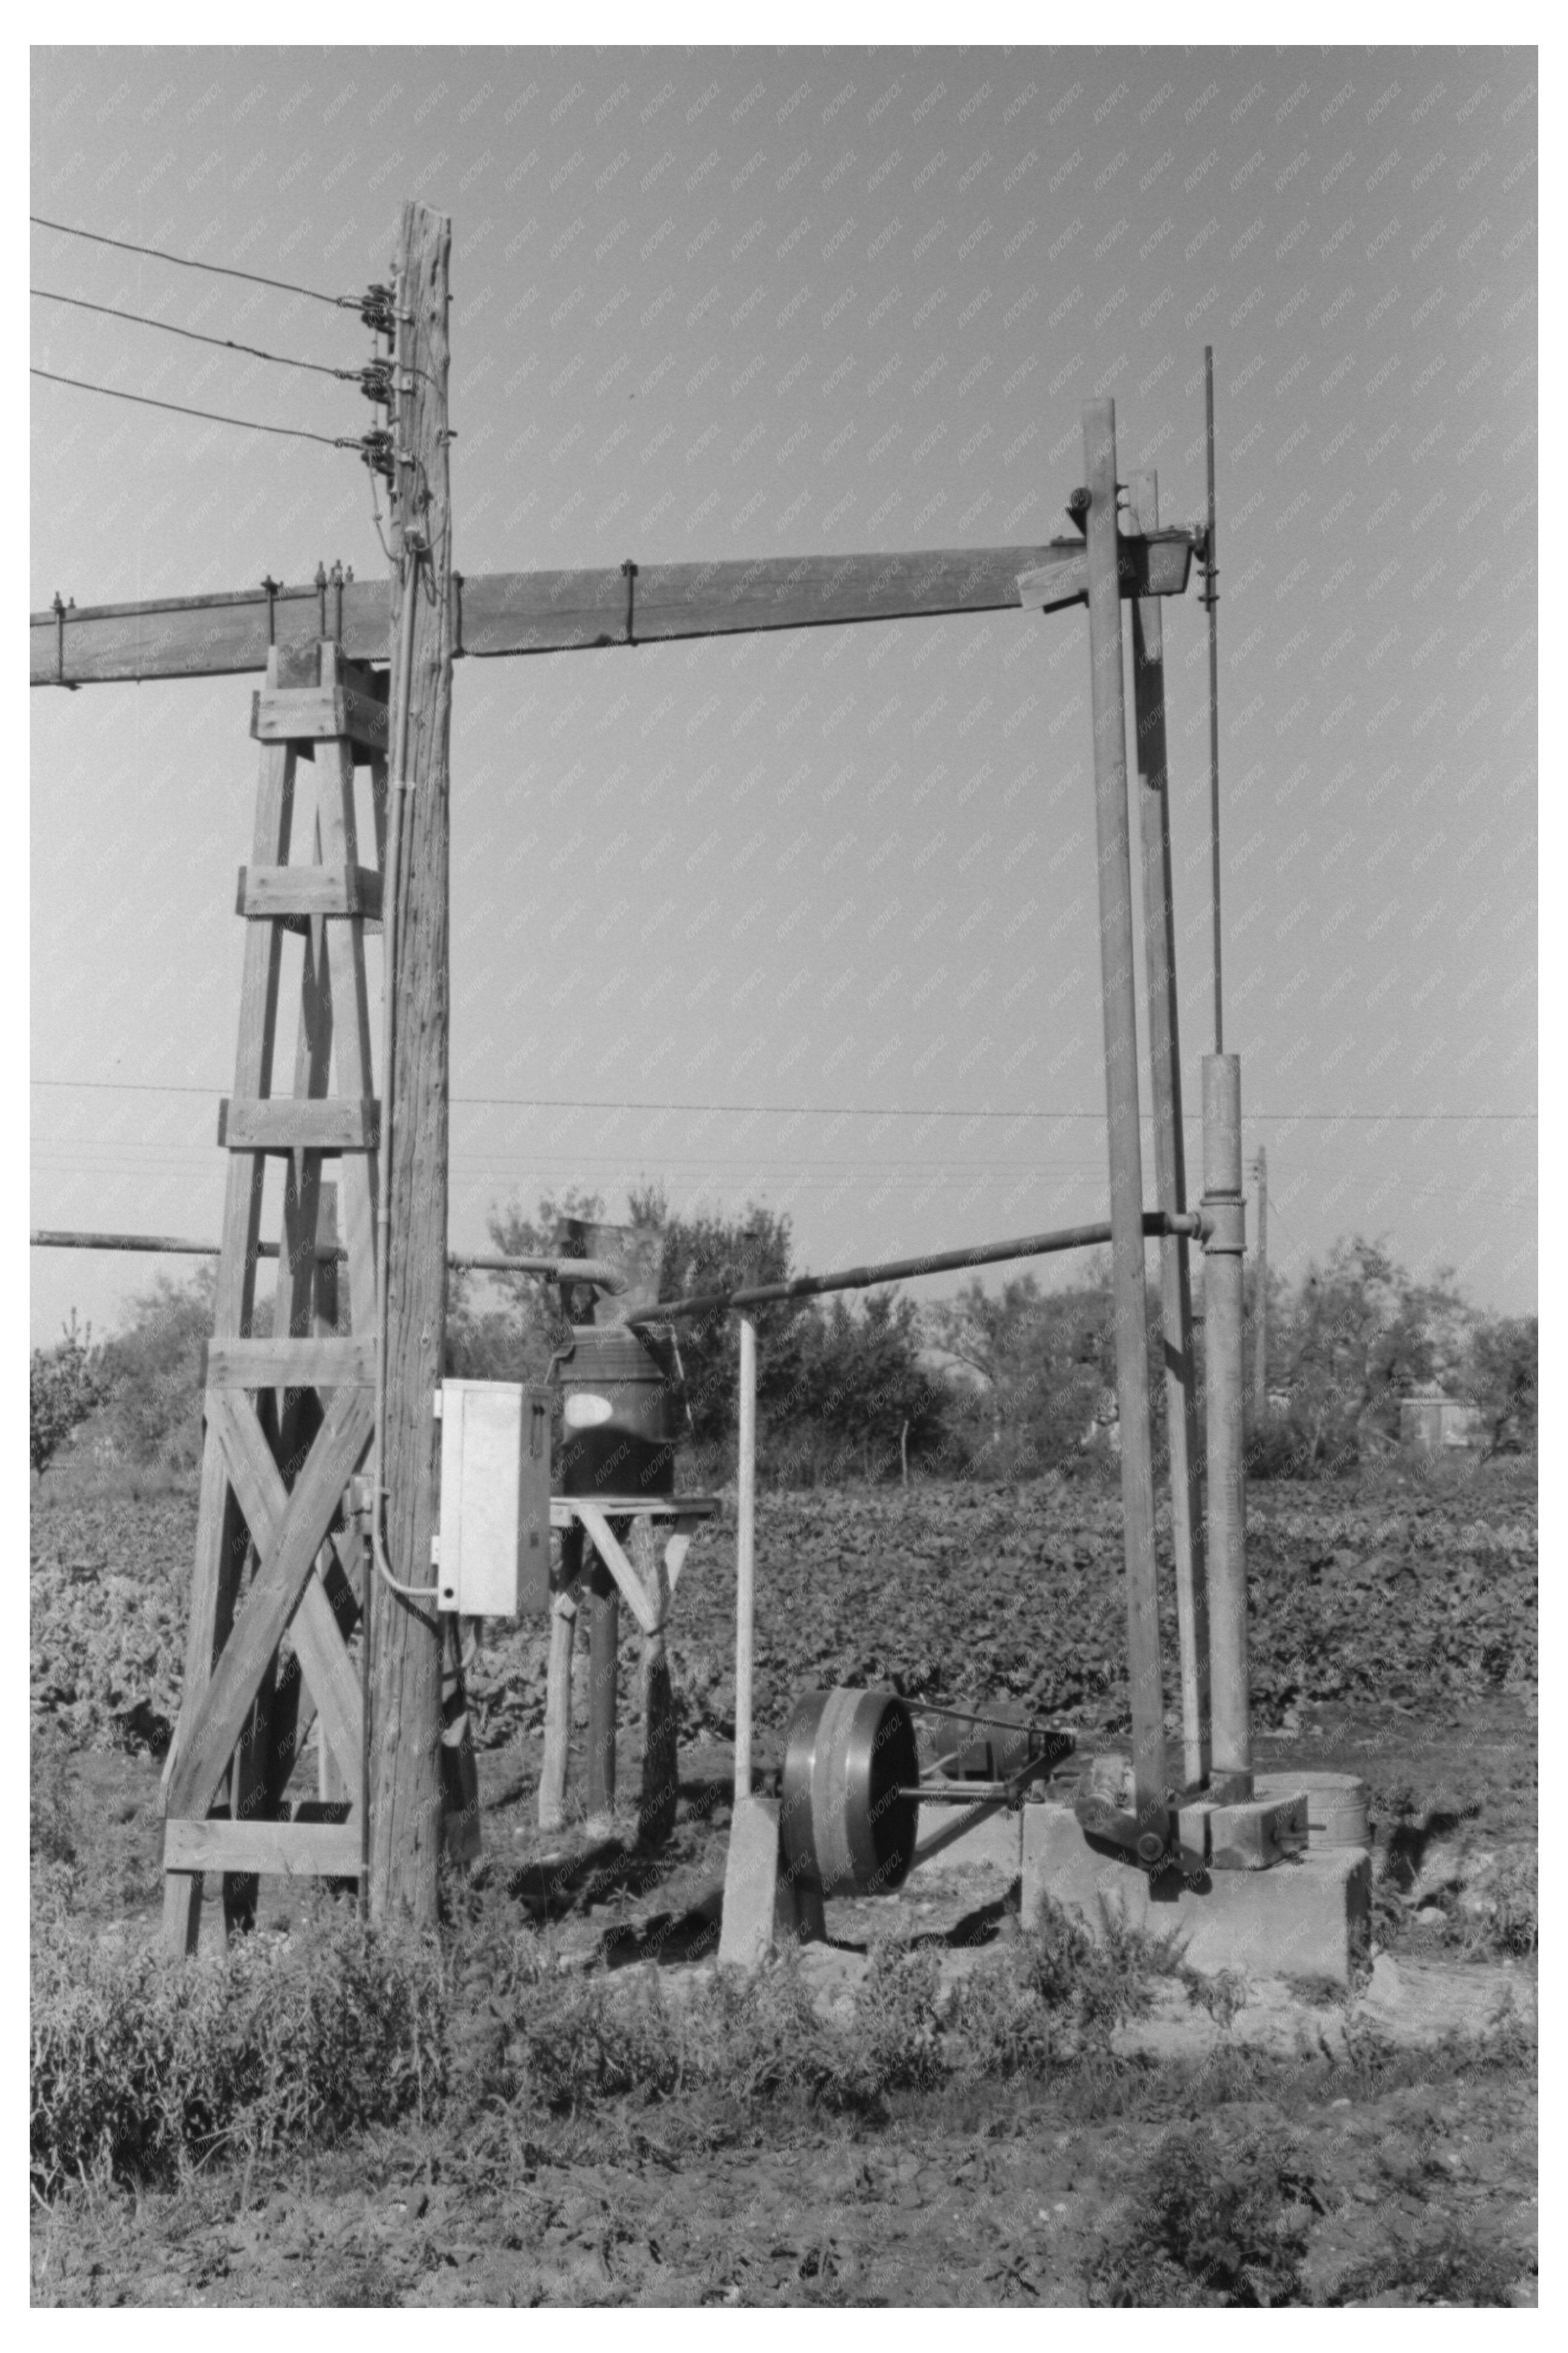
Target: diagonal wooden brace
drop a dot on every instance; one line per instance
(288, 1561)
(608, 1548)
(264, 1500)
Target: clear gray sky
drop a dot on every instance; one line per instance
(836, 887)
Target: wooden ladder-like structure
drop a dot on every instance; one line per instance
(289, 1418)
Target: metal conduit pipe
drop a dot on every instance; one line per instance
(1156, 1222)
(598, 1272)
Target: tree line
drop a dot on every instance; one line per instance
(1001, 1383)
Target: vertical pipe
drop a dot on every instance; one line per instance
(1211, 599)
(1170, 1155)
(745, 1557)
(1224, 1205)
(1261, 1295)
(1120, 1015)
(603, 1646)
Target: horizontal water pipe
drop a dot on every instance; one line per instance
(597, 1271)
(1156, 1222)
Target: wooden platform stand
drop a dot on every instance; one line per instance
(287, 1418)
(595, 1537)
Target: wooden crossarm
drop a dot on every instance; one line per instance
(545, 612)
(285, 1364)
(286, 1562)
(297, 895)
(289, 1124)
(290, 1850)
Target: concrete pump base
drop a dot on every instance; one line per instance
(1303, 1918)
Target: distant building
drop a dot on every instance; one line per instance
(1431, 1420)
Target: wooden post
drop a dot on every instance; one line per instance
(558, 1684)
(1120, 1015)
(661, 1753)
(604, 1647)
(405, 1641)
(1224, 1205)
(745, 1557)
(1170, 1155)
(1261, 1295)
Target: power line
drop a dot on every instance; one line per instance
(247, 424)
(812, 1111)
(218, 268)
(220, 342)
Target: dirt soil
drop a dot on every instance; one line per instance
(1005, 2192)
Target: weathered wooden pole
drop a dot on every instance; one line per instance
(1170, 1155)
(1231, 1765)
(406, 1639)
(1120, 1015)
(745, 1557)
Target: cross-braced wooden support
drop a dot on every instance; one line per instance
(288, 1415)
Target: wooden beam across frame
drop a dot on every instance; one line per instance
(504, 613)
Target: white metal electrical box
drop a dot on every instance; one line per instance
(494, 1554)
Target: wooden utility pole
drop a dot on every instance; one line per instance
(405, 1636)
(1261, 1295)
(1107, 706)
(1183, 1438)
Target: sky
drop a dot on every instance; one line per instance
(810, 918)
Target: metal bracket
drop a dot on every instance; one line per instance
(1227, 1218)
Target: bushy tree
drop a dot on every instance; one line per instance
(1360, 1335)
(863, 1401)
(66, 1384)
(1042, 1359)
(1500, 1381)
(155, 1366)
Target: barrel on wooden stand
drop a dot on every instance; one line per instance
(623, 1411)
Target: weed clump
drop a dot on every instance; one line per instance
(1443, 2262)
(139, 2066)
(1211, 2224)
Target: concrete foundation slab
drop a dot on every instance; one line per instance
(1302, 1919)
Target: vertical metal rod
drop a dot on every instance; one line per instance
(1227, 1211)
(1170, 1155)
(1211, 599)
(745, 1558)
(1261, 1295)
(1118, 997)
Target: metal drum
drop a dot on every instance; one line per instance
(849, 1759)
(623, 1411)
(1337, 1804)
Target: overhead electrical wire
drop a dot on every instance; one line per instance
(183, 261)
(811, 1111)
(166, 326)
(212, 415)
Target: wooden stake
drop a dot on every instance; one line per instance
(603, 1650)
(558, 1686)
(405, 1645)
(1169, 1157)
(661, 1756)
(1120, 1015)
